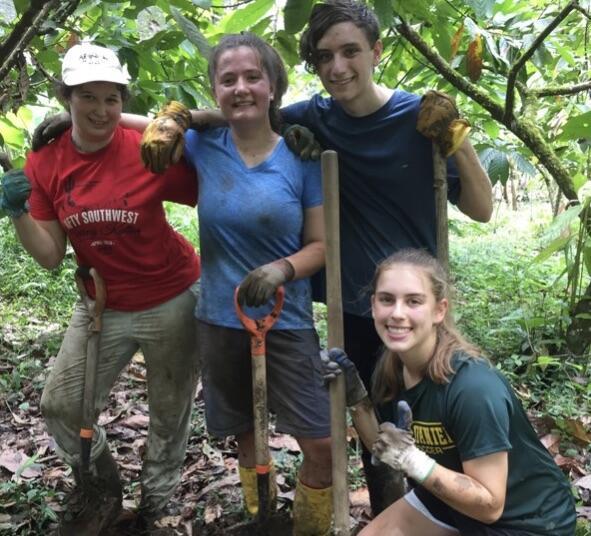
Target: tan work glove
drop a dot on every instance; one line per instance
(439, 120)
(164, 138)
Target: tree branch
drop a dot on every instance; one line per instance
(518, 65)
(449, 73)
(560, 90)
(25, 29)
(527, 131)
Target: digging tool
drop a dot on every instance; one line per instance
(334, 303)
(257, 328)
(440, 121)
(440, 185)
(95, 310)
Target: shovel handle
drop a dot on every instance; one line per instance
(258, 327)
(95, 310)
(83, 273)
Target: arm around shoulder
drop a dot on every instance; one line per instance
(476, 190)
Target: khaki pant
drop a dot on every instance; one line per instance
(166, 335)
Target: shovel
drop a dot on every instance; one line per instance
(336, 337)
(257, 328)
(95, 310)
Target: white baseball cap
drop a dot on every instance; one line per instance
(90, 63)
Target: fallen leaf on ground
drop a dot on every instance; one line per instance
(551, 442)
(281, 441)
(14, 460)
(136, 422)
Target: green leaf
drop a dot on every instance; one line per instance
(12, 136)
(150, 21)
(577, 127)
(563, 220)
(287, 46)
(384, 12)
(131, 60)
(554, 246)
(295, 14)
(492, 129)
(522, 164)
(544, 361)
(496, 164)
(442, 40)
(482, 8)
(587, 255)
(243, 19)
(205, 4)
(191, 32)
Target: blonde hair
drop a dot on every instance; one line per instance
(387, 377)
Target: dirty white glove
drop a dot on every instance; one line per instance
(396, 448)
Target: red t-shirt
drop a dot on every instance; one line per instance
(110, 207)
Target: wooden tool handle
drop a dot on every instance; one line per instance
(338, 422)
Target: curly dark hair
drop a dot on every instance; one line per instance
(329, 13)
(271, 63)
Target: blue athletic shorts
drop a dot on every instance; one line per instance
(295, 389)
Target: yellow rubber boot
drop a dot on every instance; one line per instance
(312, 511)
(248, 479)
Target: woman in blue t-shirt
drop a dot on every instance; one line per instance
(462, 438)
(260, 227)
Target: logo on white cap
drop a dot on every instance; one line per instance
(90, 63)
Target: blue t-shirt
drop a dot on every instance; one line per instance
(249, 217)
(386, 184)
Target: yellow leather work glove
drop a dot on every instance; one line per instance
(164, 138)
(439, 120)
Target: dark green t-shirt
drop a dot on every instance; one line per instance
(476, 414)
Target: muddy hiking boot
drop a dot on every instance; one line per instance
(93, 505)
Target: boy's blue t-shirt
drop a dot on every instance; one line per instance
(249, 217)
(386, 184)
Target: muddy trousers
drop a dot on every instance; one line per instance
(166, 336)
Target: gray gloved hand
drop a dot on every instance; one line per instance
(258, 287)
(403, 422)
(334, 362)
(49, 129)
(16, 189)
(302, 142)
(396, 447)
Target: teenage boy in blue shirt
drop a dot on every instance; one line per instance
(386, 174)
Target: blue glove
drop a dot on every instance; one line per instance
(15, 192)
(334, 362)
(301, 141)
